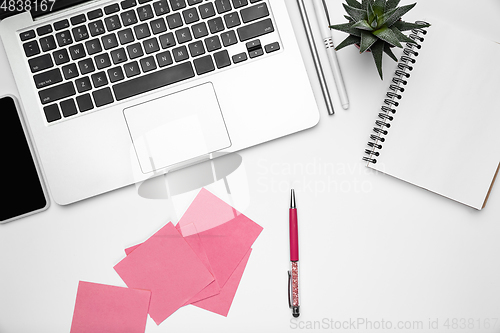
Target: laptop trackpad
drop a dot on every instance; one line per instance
(177, 127)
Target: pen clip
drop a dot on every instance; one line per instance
(289, 289)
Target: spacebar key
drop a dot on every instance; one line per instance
(153, 81)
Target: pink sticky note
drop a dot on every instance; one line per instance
(103, 308)
(166, 265)
(221, 303)
(194, 241)
(206, 211)
(227, 244)
(226, 235)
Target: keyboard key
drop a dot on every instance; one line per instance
(56, 93)
(80, 33)
(207, 10)
(199, 30)
(239, 3)
(109, 41)
(61, 56)
(83, 84)
(46, 29)
(94, 14)
(134, 51)
(153, 80)
(64, 38)
(142, 31)
(96, 28)
(232, 20)
(222, 6)
(111, 9)
(27, 35)
(102, 61)
(143, 1)
(255, 29)
(93, 46)
(196, 49)
(255, 53)
(127, 4)
(254, 12)
(103, 97)
(164, 59)
(229, 38)
(272, 47)
(212, 43)
(49, 78)
(204, 65)
(70, 71)
(132, 69)
(183, 35)
(118, 56)
(148, 64)
(145, 13)
(40, 63)
(161, 7)
(239, 57)
(158, 26)
(61, 25)
(86, 66)
(68, 108)
(180, 53)
(99, 79)
(52, 113)
(253, 44)
(115, 74)
(31, 48)
(112, 23)
(79, 19)
(151, 45)
(84, 103)
(174, 20)
(177, 4)
(190, 15)
(167, 40)
(77, 51)
(194, 2)
(47, 43)
(126, 36)
(215, 25)
(222, 59)
(128, 18)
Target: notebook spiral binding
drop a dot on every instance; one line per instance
(396, 89)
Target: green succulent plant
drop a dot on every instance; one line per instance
(376, 25)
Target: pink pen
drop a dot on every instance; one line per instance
(293, 273)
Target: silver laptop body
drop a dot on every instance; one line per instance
(129, 98)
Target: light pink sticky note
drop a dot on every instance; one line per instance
(166, 265)
(227, 244)
(225, 234)
(103, 308)
(194, 241)
(221, 303)
(206, 211)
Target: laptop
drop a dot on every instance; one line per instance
(116, 92)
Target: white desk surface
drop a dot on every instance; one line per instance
(372, 248)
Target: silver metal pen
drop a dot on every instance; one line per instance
(315, 55)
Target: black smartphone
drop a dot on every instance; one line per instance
(22, 183)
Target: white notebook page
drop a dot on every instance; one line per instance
(445, 136)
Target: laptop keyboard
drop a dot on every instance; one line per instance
(131, 47)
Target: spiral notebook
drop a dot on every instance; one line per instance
(439, 124)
